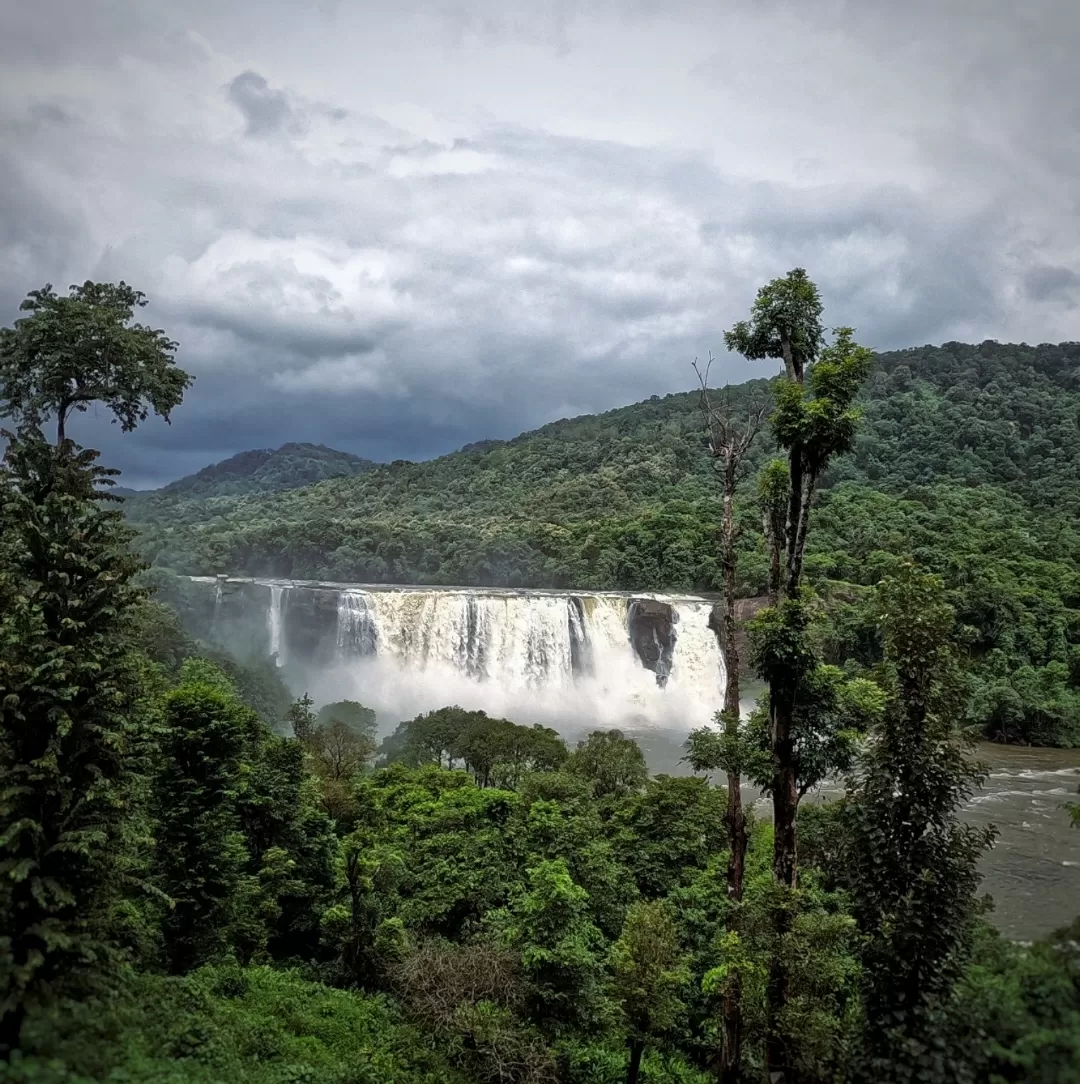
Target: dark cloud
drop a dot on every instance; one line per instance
(396, 227)
(264, 110)
(1046, 283)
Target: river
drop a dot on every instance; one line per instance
(1033, 870)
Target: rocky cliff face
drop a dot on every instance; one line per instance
(234, 612)
(745, 610)
(310, 625)
(652, 628)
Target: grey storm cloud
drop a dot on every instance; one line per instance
(265, 110)
(1045, 283)
(399, 227)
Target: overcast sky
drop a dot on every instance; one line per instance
(394, 227)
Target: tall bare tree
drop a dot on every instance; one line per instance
(730, 436)
(814, 420)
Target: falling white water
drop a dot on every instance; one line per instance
(696, 650)
(564, 659)
(357, 633)
(534, 657)
(274, 622)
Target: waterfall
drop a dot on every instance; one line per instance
(273, 617)
(696, 650)
(558, 657)
(518, 641)
(581, 660)
(357, 632)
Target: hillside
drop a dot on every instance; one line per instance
(500, 512)
(263, 470)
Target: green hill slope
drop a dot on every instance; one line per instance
(546, 508)
(263, 470)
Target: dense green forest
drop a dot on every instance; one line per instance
(966, 459)
(204, 880)
(605, 500)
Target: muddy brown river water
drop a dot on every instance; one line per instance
(1033, 871)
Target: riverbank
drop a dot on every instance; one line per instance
(1033, 870)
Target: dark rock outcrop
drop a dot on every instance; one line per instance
(652, 633)
(745, 610)
(309, 624)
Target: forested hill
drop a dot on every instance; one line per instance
(622, 498)
(263, 470)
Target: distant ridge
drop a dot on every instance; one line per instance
(264, 470)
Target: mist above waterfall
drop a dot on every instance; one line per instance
(570, 660)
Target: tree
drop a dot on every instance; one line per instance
(289, 841)
(912, 867)
(72, 719)
(430, 736)
(559, 948)
(243, 849)
(339, 752)
(615, 764)
(522, 749)
(728, 444)
(359, 719)
(832, 714)
(482, 744)
(785, 322)
(471, 996)
(649, 972)
(76, 350)
(772, 496)
(813, 421)
(668, 831)
(301, 718)
(200, 852)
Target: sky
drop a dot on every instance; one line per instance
(398, 227)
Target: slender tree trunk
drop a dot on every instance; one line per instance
(789, 360)
(794, 518)
(809, 483)
(781, 706)
(728, 443)
(731, 1052)
(778, 1055)
(637, 1048)
(774, 560)
(10, 1031)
